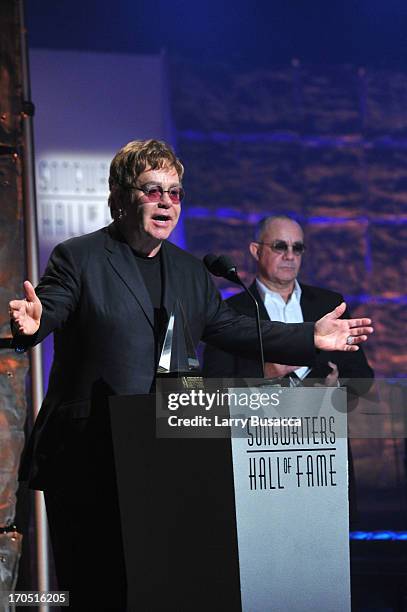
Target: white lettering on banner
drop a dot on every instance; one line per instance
(72, 192)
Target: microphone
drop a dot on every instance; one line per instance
(224, 267)
(209, 260)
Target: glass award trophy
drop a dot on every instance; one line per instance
(178, 360)
(180, 391)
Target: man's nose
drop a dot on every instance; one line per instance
(289, 253)
(165, 200)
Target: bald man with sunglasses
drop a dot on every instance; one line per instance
(278, 248)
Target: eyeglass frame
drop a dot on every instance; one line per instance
(284, 251)
(143, 189)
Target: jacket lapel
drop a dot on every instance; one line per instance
(122, 260)
(262, 309)
(307, 303)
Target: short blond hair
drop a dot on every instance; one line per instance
(132, 160)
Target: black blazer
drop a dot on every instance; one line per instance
(315, 303)
(97, 305)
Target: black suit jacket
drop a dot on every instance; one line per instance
(97, 305)
(315, 303)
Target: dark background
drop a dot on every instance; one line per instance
(263, 33)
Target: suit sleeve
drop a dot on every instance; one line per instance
(218, 363)
(287, 343)
(58, 291)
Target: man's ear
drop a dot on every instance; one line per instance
(254, 250)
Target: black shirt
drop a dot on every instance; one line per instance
(151, 271)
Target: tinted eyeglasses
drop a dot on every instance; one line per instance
(155, 193)
(281, 246)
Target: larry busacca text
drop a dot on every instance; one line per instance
(198, 398)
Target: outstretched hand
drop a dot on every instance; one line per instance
(335, 334)
(26, 314)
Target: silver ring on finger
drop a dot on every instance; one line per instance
(350, 340)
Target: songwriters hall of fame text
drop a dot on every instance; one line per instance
(301, 455)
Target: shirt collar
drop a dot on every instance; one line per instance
(264, 291)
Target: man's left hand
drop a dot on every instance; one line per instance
(334, 334)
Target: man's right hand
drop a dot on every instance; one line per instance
(277, 370)
(26, 314)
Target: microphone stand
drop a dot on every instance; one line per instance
(258, 324)
(224, 267)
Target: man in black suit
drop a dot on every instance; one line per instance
(278, 248)
(107, 297)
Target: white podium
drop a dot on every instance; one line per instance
(291, 491)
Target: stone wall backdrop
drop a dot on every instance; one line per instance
(13, 367)
(328, 146)
(325, 145)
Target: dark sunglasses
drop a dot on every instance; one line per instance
(281, 246)
(155, 193)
